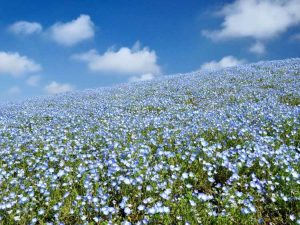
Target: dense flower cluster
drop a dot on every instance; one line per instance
(201, 148)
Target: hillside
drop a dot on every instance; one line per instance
(218, 147)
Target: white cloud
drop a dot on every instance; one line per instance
(259, 19)
(227, 61)
(25, 28)
(73, 32)
(56, 88)
(15, 90)
(134, 61)
(143, 77)
(33, 80)
(14, 64)
(258, 48)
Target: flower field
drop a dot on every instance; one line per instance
(217, 147)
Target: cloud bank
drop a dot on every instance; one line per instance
(57, 88)
(73, 32)
(25, 28)
(227, 61)
(12, 63)
(134, 61)
(259, 19)
(67, 34)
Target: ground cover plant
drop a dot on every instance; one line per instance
(217, 147)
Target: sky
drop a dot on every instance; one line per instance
(51, 47)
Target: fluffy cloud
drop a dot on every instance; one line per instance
(14, 64)
(134, 61)
(56, 88)
(73, 32)
(259, 19)
(25, 28)
(33, 80)
(258, 48)
(227, 61)
(143, 77)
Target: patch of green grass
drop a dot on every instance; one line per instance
(268, 86)
(151, 108)
(191, 101)
(226, 139)
(290, 99)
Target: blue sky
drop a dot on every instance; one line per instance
(49, 47)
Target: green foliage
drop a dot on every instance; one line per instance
(290, 99)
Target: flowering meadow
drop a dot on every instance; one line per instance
(218, 147)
